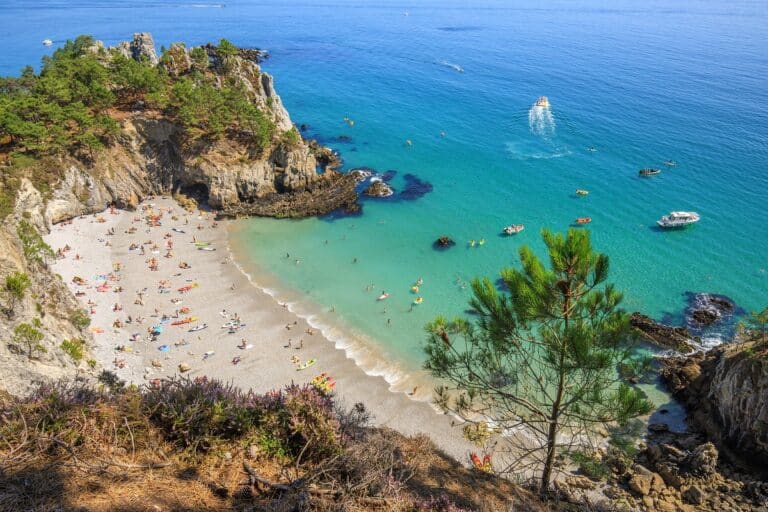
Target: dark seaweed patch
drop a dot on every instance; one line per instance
(414, 188)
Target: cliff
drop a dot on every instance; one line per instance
(203, 121)
(725, 391)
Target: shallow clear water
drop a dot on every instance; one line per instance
(642, 82)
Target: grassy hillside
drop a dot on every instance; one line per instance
(202, 445)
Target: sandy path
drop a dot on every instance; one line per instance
(218, 285)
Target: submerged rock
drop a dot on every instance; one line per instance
(665, 336)
(708, 308)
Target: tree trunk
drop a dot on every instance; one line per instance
(546, 475)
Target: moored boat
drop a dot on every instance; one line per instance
(513, 229)
(581, 192)
(649, 172)
(47, 42)
(678, 220)
(583, 220)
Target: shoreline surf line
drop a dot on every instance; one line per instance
(367, 354)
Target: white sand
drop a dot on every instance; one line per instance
(220, 286)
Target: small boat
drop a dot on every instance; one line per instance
(582, 192)
(418, 300)
(670, 163)
(543, 102)
(305, 365)
(678, 220)
(592, 149)
(513, 229)
(649, 172)
(583, 220)
(47, 42)
(383, 296)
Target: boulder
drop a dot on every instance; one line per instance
(702, 461)
(645, 482)
(705, 316)
(378, 188)
(665, 336)
(579, 482)
(444, 242)
(694, 495)
(658, 427)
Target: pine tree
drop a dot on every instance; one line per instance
(543, 355)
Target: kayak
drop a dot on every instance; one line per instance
(306, 365)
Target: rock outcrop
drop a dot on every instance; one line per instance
(665, 336)
(378, 188)
(726, 393)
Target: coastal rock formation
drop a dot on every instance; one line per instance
(150, 159)
(707, 309)
(665, 336)
(141, 47)
(726, 393)
(378, 188)
(47, 305)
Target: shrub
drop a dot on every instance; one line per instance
(27, 335)
(16, 285)
(80, 319)
(193, 413)
(34, 247)
(590, 465)
(75, 348)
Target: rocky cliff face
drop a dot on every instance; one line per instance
(47, 300)
(726, 393)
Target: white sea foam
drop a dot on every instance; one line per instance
(541, 121)
(362, 351)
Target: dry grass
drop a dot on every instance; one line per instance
(100, 452)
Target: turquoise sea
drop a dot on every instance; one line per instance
(642, 82)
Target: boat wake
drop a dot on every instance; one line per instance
(520, 150)
(541, 121)
(451, 65)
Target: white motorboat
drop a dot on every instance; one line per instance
(47, 42)
(678, 219)
(513, 229)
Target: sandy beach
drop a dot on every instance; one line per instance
(151, 269)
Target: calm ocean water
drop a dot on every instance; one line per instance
(642, 82)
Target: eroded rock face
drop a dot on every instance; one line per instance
(665, 336)
(726, 393)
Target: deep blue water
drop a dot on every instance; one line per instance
(640, 81)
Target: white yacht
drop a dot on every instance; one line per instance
(678, 219)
